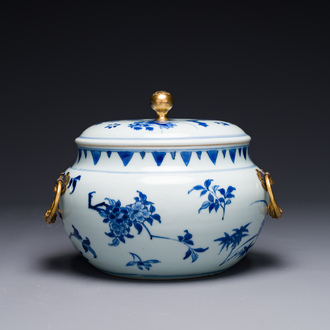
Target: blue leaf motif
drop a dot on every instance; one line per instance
(214, 201)
(215, 188)
(198, 122)
(187, 255)
(137, 261)
(211, 207)
(156, 217)
(198, 187)
(200, 250)
(234, 243)
(205, 205)
(85, 243)
(194, 256)
(138, 227)
(203, 193)
(73, 183)
(207, 183)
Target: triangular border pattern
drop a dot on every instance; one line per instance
(158, 156)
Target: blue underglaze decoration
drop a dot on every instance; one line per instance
(158, 157)
(186, 155)
(112, 125)
(186, 239)
(137, 261)
(96, 154)
(125, 156)
(233, 243)
(213, 154)
(200, 123)
(142, 153)
(232, 153)
(216, 197)
(121, 219)
(221, 123)
(244, 152)
(150, 125)
(86, 244)
(73, 183)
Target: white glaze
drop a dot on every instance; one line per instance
(164, 171)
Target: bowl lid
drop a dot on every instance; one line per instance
(162, 132)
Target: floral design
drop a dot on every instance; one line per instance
(112, 125)
(137, 261)
(150, 125)
(203, 124)
(140, 214)
(86, 244)
(199, 123)
(233, 242)
(73, 183)
(121, 218)
(217, 197)
(187, 240)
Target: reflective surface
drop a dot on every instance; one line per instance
(46, 284)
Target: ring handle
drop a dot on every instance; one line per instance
(59, 189)
(266, 181)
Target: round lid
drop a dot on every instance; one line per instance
(162, 132)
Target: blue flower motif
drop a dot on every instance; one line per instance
(121, 218)
(142, 212)
(119, 222)
(150, 125)
(139, 212)
(112, 125)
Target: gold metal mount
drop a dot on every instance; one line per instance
(266, 181)
(162, 103)
(59, 189)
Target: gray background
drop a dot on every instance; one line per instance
(261, 65)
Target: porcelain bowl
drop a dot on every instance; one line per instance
(163, 199)
(162, 212)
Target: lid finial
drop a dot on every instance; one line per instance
(162, 103)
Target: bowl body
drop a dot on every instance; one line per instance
(163, 214)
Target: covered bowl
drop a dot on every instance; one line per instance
(163, 199)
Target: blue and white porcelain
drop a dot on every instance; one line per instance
(163, 199)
